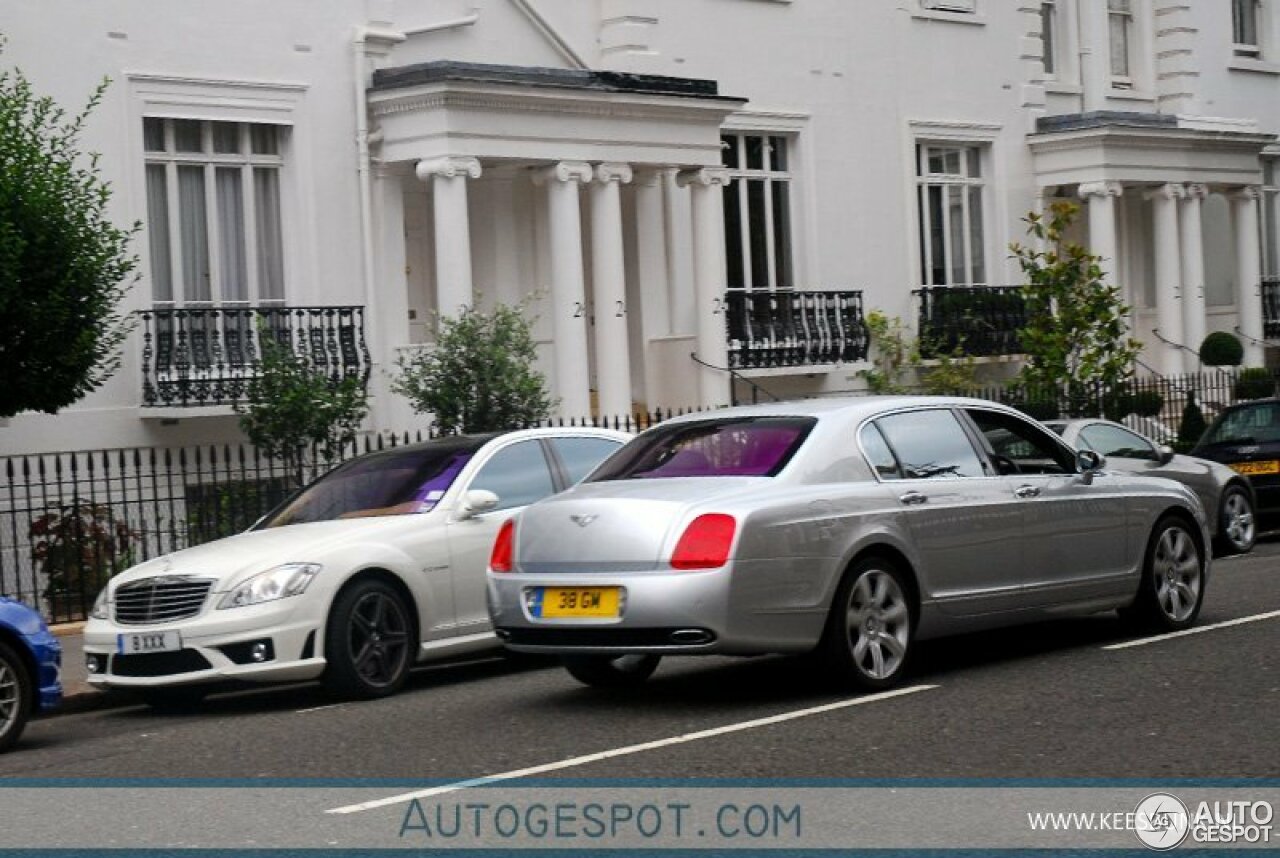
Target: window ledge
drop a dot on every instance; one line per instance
(1249, 64)
(950, 17)
(1056, 88)
(1130, 95)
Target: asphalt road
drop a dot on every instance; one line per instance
(1044, 702)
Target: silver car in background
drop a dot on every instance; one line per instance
(1226, 495)
(848, 528)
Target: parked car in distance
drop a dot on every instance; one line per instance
(1246, 437)
(375, 566)
(30, 669)
(1226, 495)
(849, 528)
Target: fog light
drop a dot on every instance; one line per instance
(93, 664)
(259, 651)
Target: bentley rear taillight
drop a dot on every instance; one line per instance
(705, 543)
(500, 557)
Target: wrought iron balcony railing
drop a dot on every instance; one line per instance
(794, 329)
(207, 356)
(973, 320)
(1271, 308)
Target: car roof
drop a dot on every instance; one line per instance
(851, 406)
(473, 442)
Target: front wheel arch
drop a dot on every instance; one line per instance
(392, 580)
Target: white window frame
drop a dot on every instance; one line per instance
(1051, 37)
(924, 180)
(162, 96)
(770, 178)
(1253, 8)
(1129, 16)
(246, 162)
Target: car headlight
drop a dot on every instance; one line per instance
(99, 611)
(281, 582)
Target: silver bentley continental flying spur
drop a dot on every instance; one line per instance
(850, 529)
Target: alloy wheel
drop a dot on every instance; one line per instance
(10, 697)
(1238, 522)
(1176, 574)
(878, 623)
(378, 638)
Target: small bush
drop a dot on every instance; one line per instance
(1221, 349)
(78, 546)
(1193, 424)
(1146, 403)
(1255, 383)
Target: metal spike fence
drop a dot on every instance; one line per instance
(69, 521)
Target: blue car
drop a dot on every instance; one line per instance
(30, 667)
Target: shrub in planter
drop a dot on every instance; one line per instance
(78, 546)
(1255, 383)
(1146, 403)
(1193, 424)
(1221, 349)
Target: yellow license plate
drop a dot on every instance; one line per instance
(1271, 467)
(575, 602)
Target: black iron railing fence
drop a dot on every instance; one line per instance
(974, 320)
(68, 521)
(794, 329)
(1271, 308)
(207, 356)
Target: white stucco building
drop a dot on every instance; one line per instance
(638, 169)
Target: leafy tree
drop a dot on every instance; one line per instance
(64, 267)
(1077, 337)
(293, 406)
(897, 359)
(479, 376)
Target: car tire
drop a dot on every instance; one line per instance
(176, 699)
(871, 627)
(370, 641)
(1237, 523)
(611, 671)
(17, 696)
(1173, 579)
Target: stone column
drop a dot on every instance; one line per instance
(448, 176)
(1190, 223)
(706, 186)
(1104, 239)
(653, 276)
(1164, 203)
(568, 286)
(1248, 273)
(609, 285)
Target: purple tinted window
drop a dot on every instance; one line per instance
(759, 447)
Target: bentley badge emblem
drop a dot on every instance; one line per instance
(583, 520)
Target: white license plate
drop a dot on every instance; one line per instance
(142, 642)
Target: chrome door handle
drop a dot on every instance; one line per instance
(1027, 492)
(913, 498)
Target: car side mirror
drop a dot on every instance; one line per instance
(476, 502)
(1165, 454)
(1090, 462)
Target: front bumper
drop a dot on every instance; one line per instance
(216, 646)
(47, 650)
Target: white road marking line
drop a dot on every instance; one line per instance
(626, 750)
(1270, 615)
(319, 708)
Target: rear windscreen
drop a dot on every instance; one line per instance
(744, 447)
